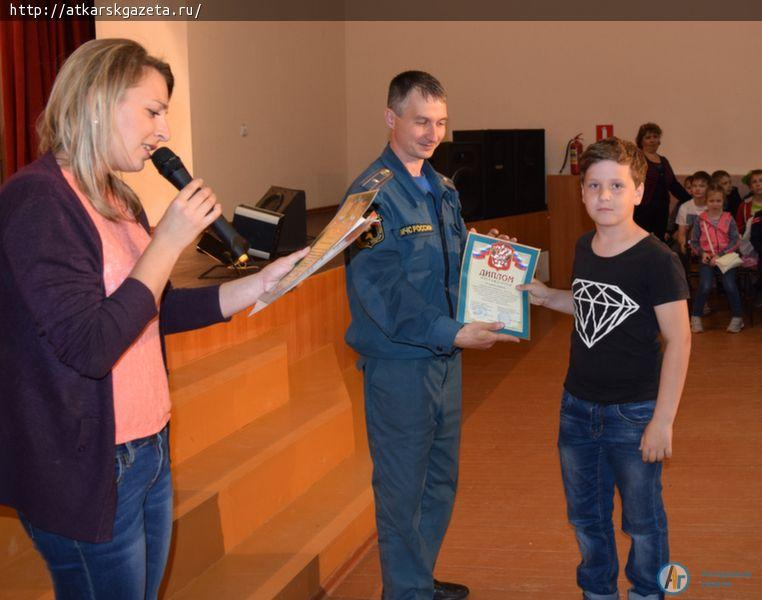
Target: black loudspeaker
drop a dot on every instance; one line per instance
(260, 227)
(513, 163)
(462, 162)
(292, 205)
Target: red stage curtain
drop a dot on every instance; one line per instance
(32, 53)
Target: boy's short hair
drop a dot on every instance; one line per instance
(746, 179)
(404, 83)
(714, 187)
(620, 151)
(702, 176)
(645, 129)
(717, 175)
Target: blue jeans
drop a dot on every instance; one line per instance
(706, 278)
(131, 565)
(412, 410)
(598, 445)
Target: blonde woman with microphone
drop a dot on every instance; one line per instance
(85, 302)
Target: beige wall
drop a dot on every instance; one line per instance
(312, 94)
(695, 79)
(284, 82)
(168, 41)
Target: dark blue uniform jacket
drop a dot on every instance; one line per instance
(402, 277)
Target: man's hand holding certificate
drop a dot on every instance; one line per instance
(492, 268)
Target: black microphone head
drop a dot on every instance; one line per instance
(163, 159)
(170, 167)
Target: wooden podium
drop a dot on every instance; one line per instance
(568, 221)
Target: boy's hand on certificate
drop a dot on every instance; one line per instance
(656, 443)
(539, 293)
(479, 335)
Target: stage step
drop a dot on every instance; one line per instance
(230, 496)
(291, 554)
(13, 539)
(227, 491)
(219, 394)
(26, 576)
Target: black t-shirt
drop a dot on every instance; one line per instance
(615, 351)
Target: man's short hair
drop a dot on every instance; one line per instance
(618, 150)
(401, 86)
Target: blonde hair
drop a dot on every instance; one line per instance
(77, 125)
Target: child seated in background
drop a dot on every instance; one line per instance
(753, 204)
(689, 211)
(756, 234)
(715, 234)
(749, 253)
(732, 197)
(755, 239)
(687, 214)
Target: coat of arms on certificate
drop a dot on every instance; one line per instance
(491, 270)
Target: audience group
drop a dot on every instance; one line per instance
(706, 221)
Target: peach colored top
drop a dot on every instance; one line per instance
(141, 392)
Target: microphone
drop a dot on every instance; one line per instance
(172, 169)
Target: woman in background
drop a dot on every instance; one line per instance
(653, 212)
(84, 304)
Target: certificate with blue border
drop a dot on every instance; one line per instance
(491, 270)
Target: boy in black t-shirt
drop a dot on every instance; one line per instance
(621, 394)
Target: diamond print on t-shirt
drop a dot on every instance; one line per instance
(599, 308)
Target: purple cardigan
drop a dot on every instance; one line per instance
(672, 184)
(61, 335)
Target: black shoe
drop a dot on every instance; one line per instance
(449, 591)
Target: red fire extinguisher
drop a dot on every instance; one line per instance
(575, 150)
(572, 154)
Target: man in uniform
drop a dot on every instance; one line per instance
(402, 283)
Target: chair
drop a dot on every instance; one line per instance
(750, 287)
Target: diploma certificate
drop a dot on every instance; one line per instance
(491, 270)
(348, 224)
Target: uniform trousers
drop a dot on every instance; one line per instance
(413, 414)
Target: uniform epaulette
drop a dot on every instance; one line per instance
(376, 179)
(448, 182)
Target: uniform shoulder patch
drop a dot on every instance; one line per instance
(372, 237)
(448, 182)
(376, 179)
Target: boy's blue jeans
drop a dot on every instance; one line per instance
(131, 565)
(598, 445)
